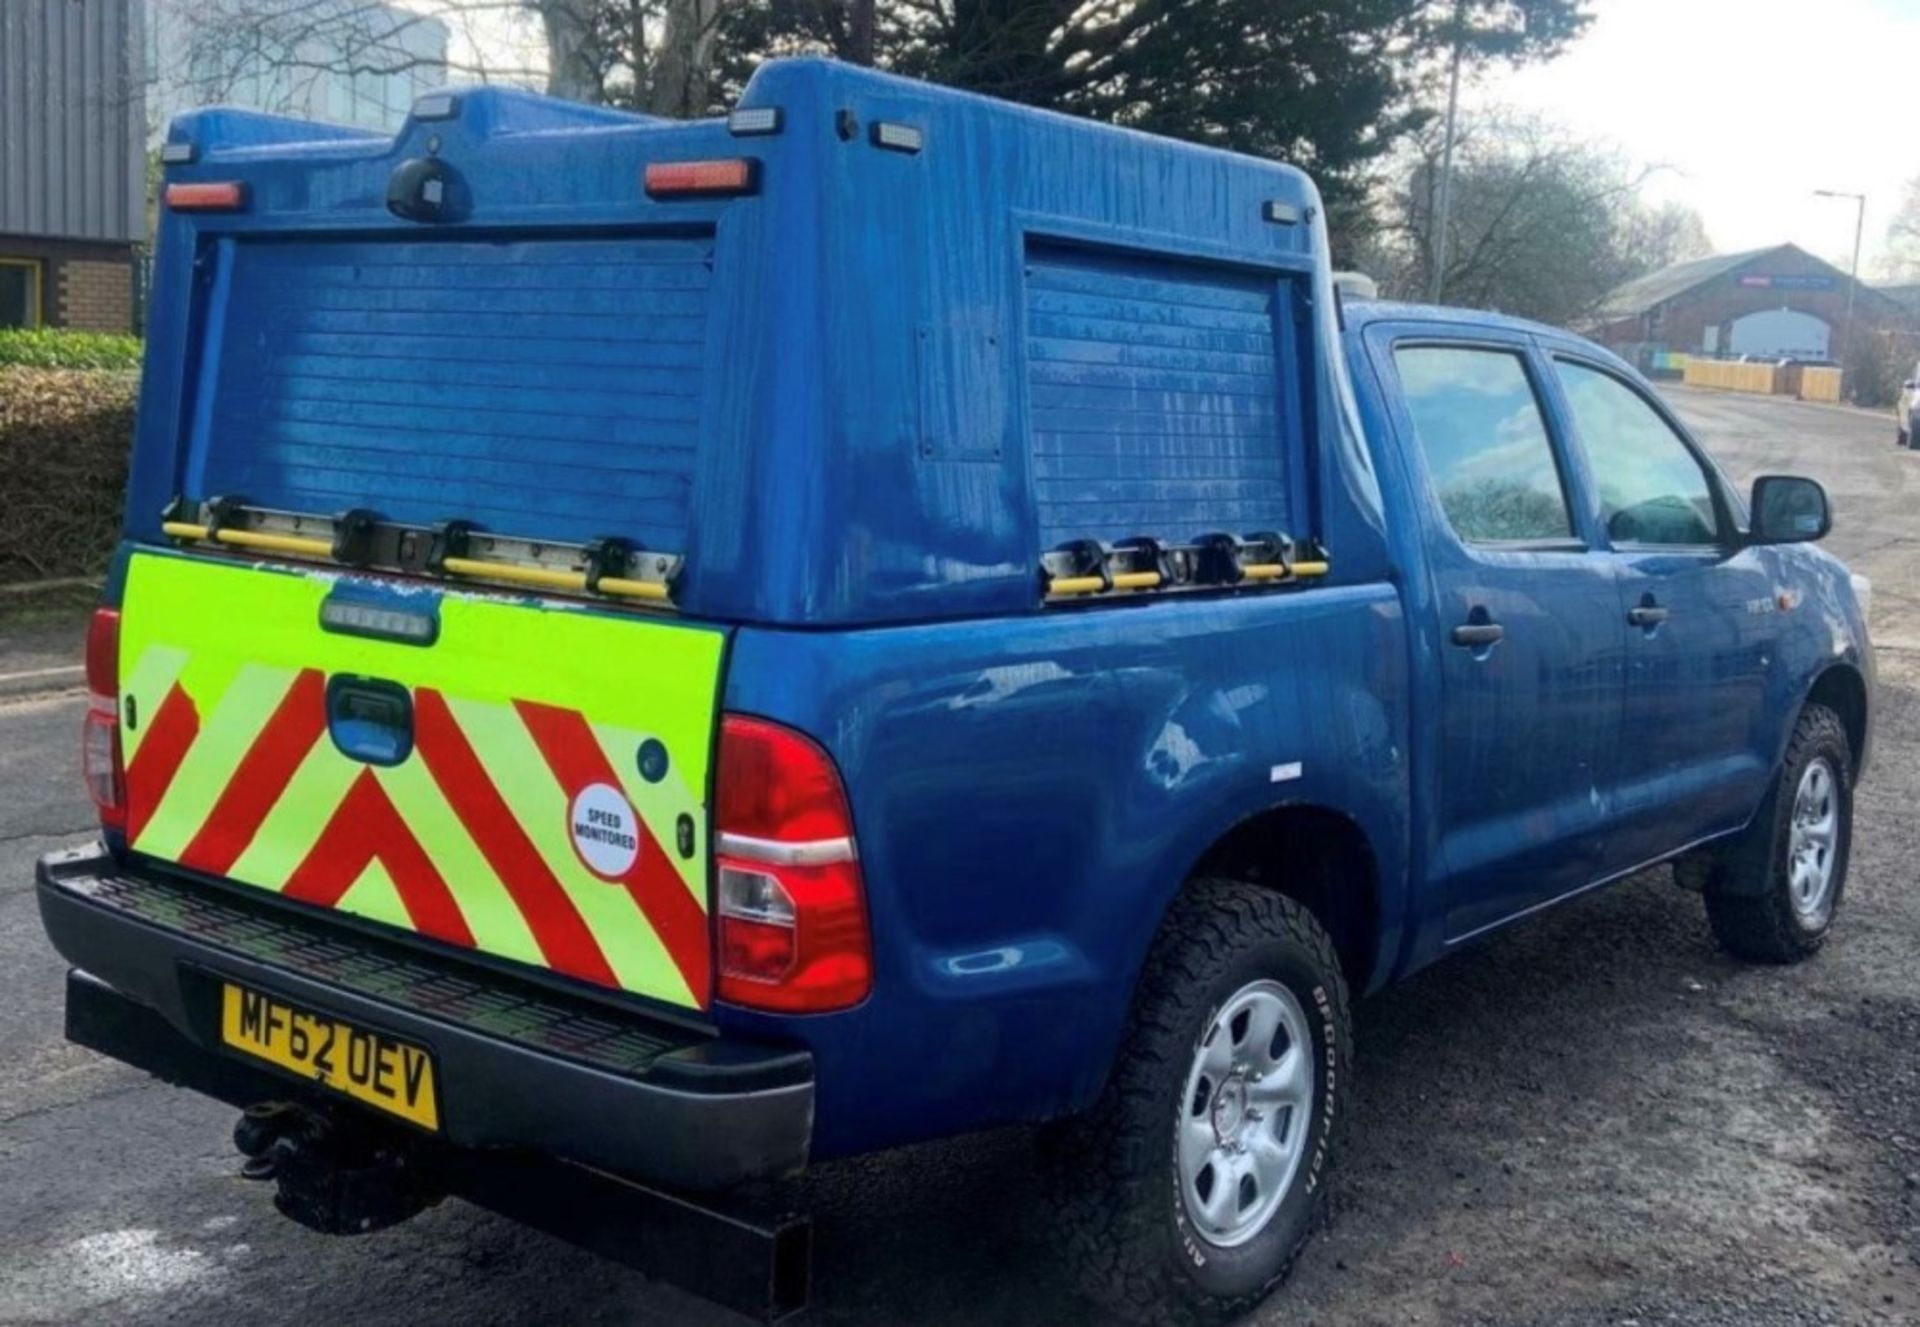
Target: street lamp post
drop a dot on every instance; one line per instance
(1853, 281)
(1437, 279)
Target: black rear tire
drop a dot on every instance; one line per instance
(1128, 1230)
(1749, 892)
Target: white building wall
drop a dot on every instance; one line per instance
(341, 61)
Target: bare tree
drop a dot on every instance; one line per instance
(571, 28)
(862, 26)
(1900, 261)
(682, 75)
(1657, 237)
(221, 47)
(1543, 224)
(656, 55)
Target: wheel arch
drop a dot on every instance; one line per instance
(1842, 688)
(1322, 859)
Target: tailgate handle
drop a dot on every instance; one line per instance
(370, 719)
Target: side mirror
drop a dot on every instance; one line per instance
(1788, 509)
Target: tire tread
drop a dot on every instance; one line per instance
(1110, 1154)
(1758, 925)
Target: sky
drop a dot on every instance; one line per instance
(1751, 105)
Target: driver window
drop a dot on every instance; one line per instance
(1480, 427)
(1652, 488)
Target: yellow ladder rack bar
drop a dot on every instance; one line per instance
(620, 585)
(1125, 580)
(1075, 585)
(1147, 580)
(1276, 571)
(555, 579)
(549, 578)
(269, 543)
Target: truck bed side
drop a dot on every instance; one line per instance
(1030, 794)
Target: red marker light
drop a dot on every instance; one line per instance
(229, 196)
(101, 763)
(703, 179)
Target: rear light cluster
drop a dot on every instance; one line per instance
(792, 909)
(100, 761)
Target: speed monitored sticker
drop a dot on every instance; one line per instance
(605, 829)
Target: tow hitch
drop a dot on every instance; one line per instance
(342, 1172)
(332, 1173)
(342, 1175)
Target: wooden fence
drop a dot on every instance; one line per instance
(1802, 381)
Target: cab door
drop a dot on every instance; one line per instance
(1528, 636)
(1701, 615)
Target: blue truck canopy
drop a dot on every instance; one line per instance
(921, 338)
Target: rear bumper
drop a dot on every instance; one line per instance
(548, 1075)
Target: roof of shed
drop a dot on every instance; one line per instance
(1644, 293)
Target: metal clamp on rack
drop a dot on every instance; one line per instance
(1081, 567)
(353, 536)
(1272, 556)
(1219, 557)
(449, 539)
(358, 538)
(1090, 568)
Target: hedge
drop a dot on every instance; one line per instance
(48, 348)
(64, 435)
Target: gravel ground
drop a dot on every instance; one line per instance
(1594, 1118)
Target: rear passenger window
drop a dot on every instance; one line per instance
(1479, 425)
(1653, 490)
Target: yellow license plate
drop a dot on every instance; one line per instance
(371, 1067)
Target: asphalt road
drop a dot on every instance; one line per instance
(1593, 1119)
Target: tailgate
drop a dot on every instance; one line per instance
(521, 777)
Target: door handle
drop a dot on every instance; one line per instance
(1646, 615)
(1478, 635)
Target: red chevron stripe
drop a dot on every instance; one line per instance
(171, 731)
(367, 828)
(566, 741)
(556, 924)
(264, 773)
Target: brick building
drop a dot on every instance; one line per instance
(1776, 303)
(72, 162)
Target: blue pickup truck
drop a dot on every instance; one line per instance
(647, 656)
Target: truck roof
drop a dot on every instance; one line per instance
(1357, 315)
